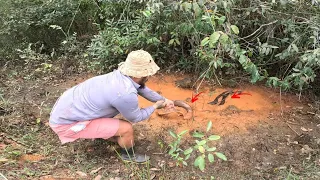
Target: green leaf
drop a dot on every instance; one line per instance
(146, 13)
(242, 59)
(202, 164)
(186, 6)
(214, 137)
(296, 70)
(221, 19)
(205, 41)
(201, 143)
(221, 156)
(235, 29)
(199, 162)
(214, 38)
(196, 9)
(294, 46)
(185, 163)
(201, 2)
(196, 146)
(16, 152)
(188, 151)
(197, 135)
(183, 132)
(211, 158)
(187, 157)
(173, 134)
(201, 149)
(224, 39)
(211, 149)
(55, 27)
(209, 126)
(172, 150)
(171, 41)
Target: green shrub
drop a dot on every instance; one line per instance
(266, 40)
(220, 39)
(28, 22)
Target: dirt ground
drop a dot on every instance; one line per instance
(264, 135)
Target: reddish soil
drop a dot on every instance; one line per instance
(31, 157)
(259, 105)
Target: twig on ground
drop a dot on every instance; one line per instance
(289, 122)
(3, 177)
(292, 129)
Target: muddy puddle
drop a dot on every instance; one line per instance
(236, 114)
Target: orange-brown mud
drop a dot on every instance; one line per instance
(31, 157)
(251, 108)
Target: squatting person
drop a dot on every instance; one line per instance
(88, 109)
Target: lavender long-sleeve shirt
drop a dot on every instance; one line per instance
(103, 96)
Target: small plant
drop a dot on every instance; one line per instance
(175, 150)
(201, 146)
(12, 152)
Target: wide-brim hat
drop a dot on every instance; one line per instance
(138, 64)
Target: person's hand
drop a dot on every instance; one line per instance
(159, 104)
(168, 104)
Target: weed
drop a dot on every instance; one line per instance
(201, 141)
(12, 153)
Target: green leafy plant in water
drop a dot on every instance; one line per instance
(201, 145)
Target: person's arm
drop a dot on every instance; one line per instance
(128, 107)
(149, 94)
(154, 96)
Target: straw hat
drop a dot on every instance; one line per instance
(138, 64)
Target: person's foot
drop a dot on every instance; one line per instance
(136, 158)
(129, 155)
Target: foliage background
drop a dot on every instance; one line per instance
(272, 41)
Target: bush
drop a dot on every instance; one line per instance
(25, 22)
(263, 39)
(272, 41)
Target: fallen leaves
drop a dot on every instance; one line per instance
(84, 175)
(81, 174)
(306, 150)
(155, 169)
(95, 170)
(152, 176)
(3, 159)
(2, 146)
(117, 171)
(305, 129)
(115, 178)
(171, 164)
(99, 177)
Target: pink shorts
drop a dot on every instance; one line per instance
(97, 128)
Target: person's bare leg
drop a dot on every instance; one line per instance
(125, 140)
(124, 134)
